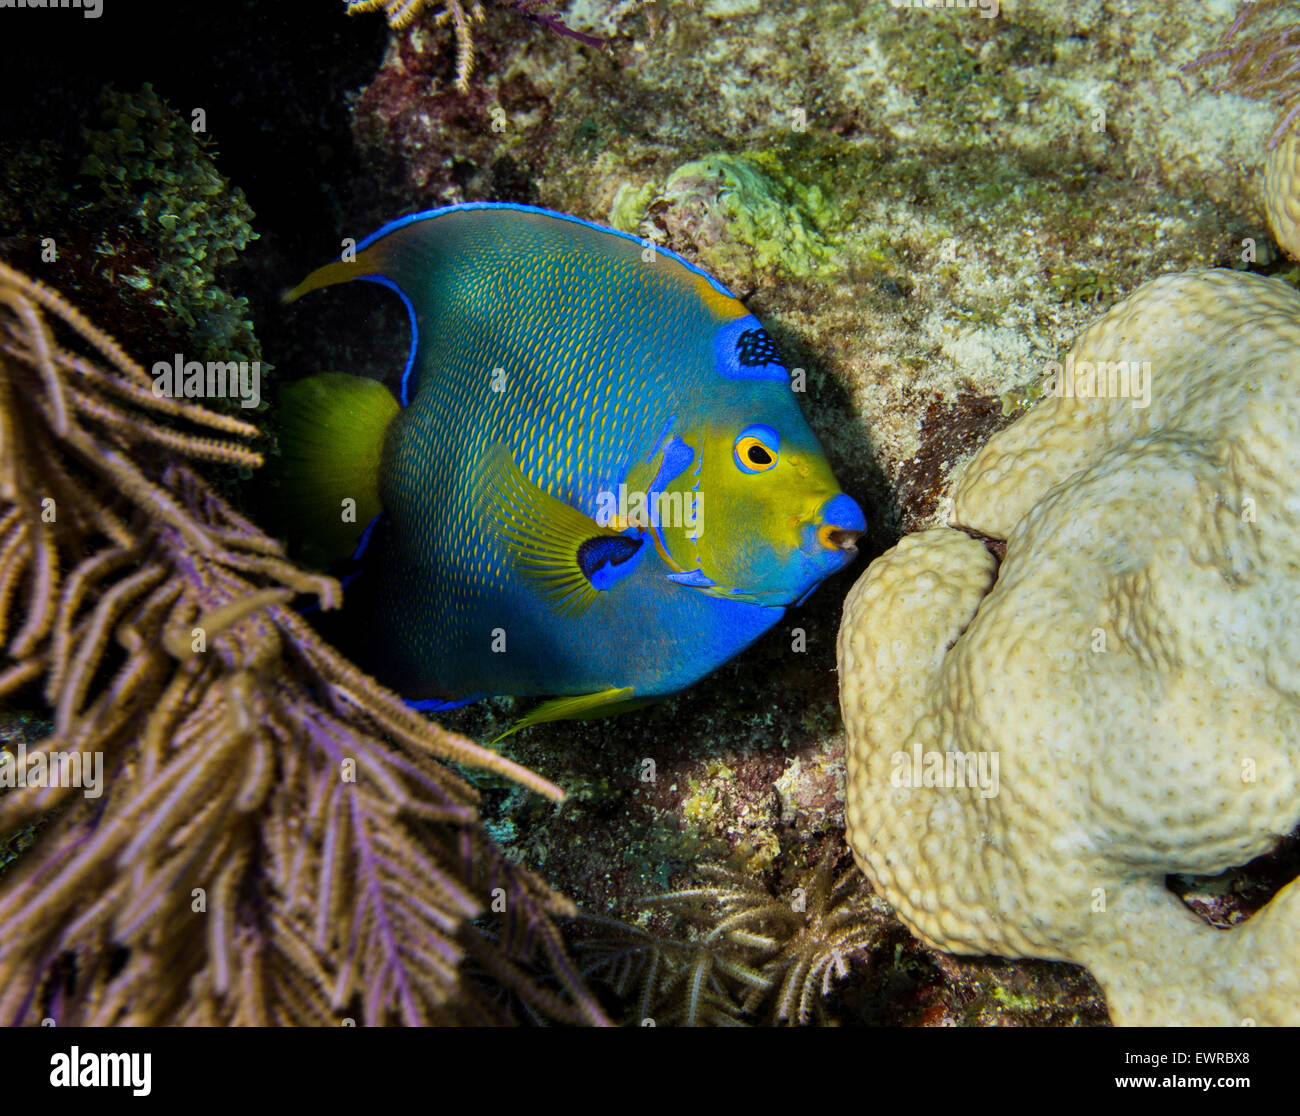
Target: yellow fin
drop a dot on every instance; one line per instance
(542, 534)
(367, 262)
(332, 430)
(603, 703)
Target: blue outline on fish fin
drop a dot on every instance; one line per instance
(438, 705)
(424, 215)
(364, 541)
(404, 393)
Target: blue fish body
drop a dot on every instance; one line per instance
(599, 482)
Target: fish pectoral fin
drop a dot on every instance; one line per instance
(603, 703)
(566, 554)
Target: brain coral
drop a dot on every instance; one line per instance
(1034, 743)
(1282, 193)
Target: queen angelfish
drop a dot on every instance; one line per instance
(596, 483)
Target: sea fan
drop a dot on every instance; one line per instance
(280, 839)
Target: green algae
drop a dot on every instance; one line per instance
(1009, 999)
(630, 205)
(1082, 284)
(706, 804)
(774, 214)
(148, 163)
(744, 211)
(1021, 397)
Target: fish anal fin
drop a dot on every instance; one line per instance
(603, 703)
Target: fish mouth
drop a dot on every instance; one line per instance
(830, 542)
(839, 525)
(838, 538)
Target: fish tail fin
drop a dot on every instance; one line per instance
(332, 432)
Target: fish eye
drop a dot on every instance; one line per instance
(756, 449)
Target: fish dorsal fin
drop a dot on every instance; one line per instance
(566, 554)
(603, 703)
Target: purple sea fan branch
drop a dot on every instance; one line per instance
(536, 11)
(224, 728)
(1252, 71)
(379, 907)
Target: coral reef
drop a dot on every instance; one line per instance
(1035, 742)
(968, 194)
(984, 188)
(270, 829)
(1282, 193)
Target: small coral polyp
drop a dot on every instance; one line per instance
(1134, 661)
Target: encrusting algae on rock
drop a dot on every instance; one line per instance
(744, 211)
(1128, 674)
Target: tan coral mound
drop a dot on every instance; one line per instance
(1282, 193)
(1132, 667)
